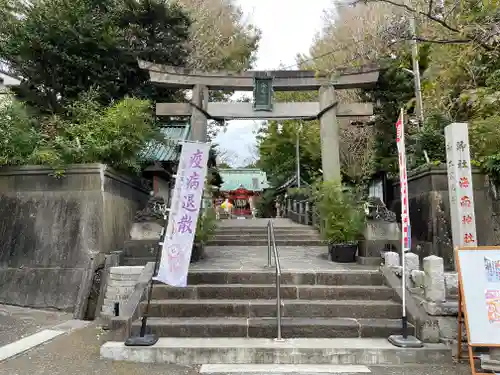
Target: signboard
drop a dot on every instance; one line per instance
(463, 221)
(479, 278)
(184, 212)
(403, 183)
(263, 94)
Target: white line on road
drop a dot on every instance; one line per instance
(282, 368)
(27, 343)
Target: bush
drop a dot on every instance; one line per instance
(341, 212)
(20, 137)
(206, 226)
(86, 133)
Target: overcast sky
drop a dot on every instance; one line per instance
(288, 27)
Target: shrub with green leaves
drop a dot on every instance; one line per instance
(341, 212)
(206, 226)
(87, 133)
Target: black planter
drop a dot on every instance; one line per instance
(343, 252)
(197, 253)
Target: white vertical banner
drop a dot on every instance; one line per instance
(463, 220)
(403, 184)
(184, 212)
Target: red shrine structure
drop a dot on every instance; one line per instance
(242, 187)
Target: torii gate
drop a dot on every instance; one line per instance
(263, 84)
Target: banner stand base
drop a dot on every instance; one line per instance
(146, 340)
(405, 342)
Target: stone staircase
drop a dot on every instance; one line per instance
(243, 233)
(332, 313)
(243, 304)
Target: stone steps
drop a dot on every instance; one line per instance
(263, 242)
(257, 230)
(268, 291)
(345, 351)
(267, 328)
(326, 278)
(263, 236)
(267, 308)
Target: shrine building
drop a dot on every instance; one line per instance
(242, 186)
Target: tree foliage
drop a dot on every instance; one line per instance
(61, 48)
(88, 133)
(219, 39)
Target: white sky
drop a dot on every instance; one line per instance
(288, 27)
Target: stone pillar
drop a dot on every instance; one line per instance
(435, 290)
(199, 121)
(391, 259)
(412, 263)
(307, 213)
(329, 130)
(301, 212)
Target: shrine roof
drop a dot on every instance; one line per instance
(249, 178)
(173, 133)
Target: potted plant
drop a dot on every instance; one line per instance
(343, 220)
(205, 230)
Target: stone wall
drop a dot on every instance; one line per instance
(433, 290)
(430, 212)
(54, 231)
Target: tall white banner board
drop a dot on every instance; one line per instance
(184, 212)
(463, 220)
(479, 272)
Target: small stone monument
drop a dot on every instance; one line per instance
(148, 222)
(381, 233)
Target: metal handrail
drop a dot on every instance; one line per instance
(271, 246)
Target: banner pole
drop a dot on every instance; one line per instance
(150, 339)
(404, 320)
(403, 340)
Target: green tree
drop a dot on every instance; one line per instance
(89, 133)
(62, 48)
(393, 91)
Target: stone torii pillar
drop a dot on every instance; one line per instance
(199, 121)
(330, 134)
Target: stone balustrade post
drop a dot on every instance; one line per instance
(307, 212)
(412, 263)
(435, 289)
(391, 259)
(301, 212)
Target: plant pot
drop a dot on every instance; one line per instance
(343, 252)
(197, 253)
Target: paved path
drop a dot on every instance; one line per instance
(254, 258)
(252, 223)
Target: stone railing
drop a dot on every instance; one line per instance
(432, 292)
(300, 211)
(121, 325)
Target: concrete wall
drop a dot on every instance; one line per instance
(53, 229)
(430, 212)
